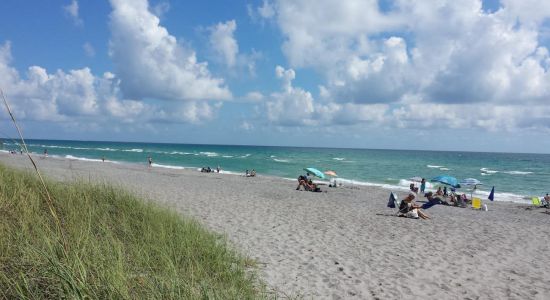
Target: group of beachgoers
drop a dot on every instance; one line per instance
(408, 208)
(210, 170)
(250, 174)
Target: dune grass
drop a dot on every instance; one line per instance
(118, 247)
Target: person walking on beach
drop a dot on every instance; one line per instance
(150, 161)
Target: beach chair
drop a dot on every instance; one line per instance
(476, 203)
(536, 201)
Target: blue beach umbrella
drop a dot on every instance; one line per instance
(315, 172)
(492, 194)
(446, 179)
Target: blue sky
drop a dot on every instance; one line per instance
(448, 75)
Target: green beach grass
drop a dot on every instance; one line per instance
(117, 247)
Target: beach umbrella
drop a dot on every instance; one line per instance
(492, 194)
(315, 172)
(446, 179)
(472, 182)
(331, 173)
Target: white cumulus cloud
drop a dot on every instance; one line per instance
(71, 10)
(223, 42)
(151, 63)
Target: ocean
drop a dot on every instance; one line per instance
(515, 176)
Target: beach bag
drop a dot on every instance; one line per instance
(413, 214)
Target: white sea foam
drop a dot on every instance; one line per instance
(338, 158)
(82, 158)
(485, 170)
(209, 154)
(281, 160)
(133, 150)
(444, 169)
(227, 156)
(168, 166)
(517, 172)
(434, 166)
(245, 156)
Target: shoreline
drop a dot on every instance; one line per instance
(403, 184)
(344, 242)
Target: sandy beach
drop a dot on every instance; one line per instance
(344, 243)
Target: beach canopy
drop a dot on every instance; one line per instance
(446, 179)
(331, 173)
(470, 182)
(315, 172)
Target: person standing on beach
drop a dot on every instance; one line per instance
(45, 152)
(103, 158)
(150, 161)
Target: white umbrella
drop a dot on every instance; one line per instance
(472, 182)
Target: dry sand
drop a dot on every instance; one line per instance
(344, 243)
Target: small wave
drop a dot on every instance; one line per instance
(338, 158)
(486, 174)
(133, 150)
(444, 169)
(281, 160)
(227, 156)
(82, 158)
(434, 166)
(106, 149)
(168, 166)
(245, 156)
(485, 170)
(517, 172)
(209, 154)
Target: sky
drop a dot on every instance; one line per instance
(435, 75)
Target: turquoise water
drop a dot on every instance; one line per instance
(514, 175)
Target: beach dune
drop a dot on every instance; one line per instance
(345, 243)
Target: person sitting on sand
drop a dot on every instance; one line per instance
(252, 173)
(307, 184)
(409, 209)
(439, 191)
(433, 200)
(546, 201)
(302, 181)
